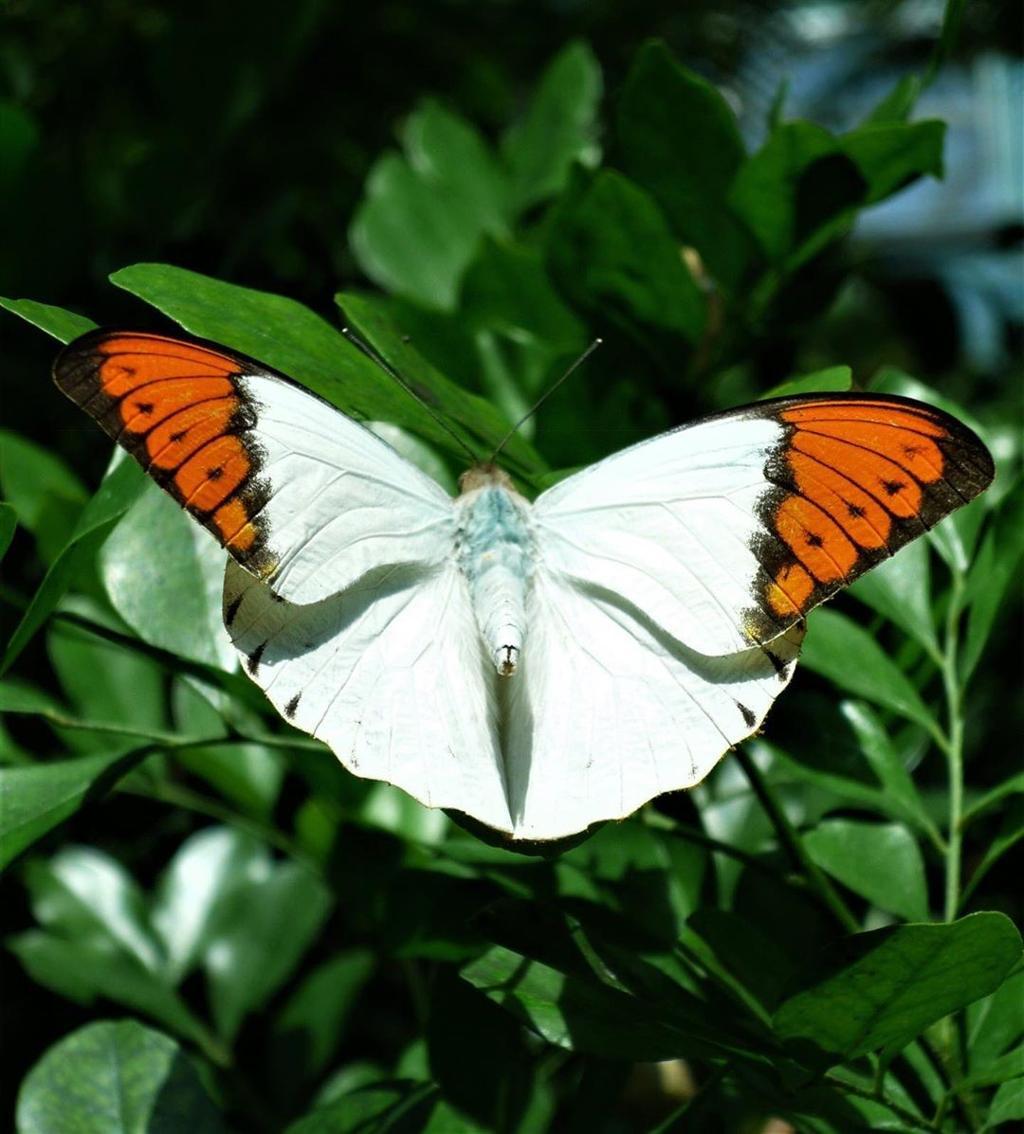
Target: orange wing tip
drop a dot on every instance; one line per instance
(855, 479)
(179, 408)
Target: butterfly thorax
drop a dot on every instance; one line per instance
(495, 553)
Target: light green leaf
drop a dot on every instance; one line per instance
(820, 382)
(840, 650)
(879, 861)
(62, 325)
(206, 869)
(881, 989)
(1008, 1105)
(424, 212)
(115, 1078)
(900, 590)
(889, 155)
(558, 129)
(885, 761)
(164, 576)
(38, 797)
(260, 931)
(120, 487)
(678, 138)
(996, 1024)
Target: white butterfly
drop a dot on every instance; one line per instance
(538, 666)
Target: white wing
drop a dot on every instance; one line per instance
(727, 531)
(608, 711)
(391, 674)
(302, 496)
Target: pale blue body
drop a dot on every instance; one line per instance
(495, 550)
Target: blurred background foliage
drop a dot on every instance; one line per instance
(486, 187)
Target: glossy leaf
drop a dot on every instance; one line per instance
(115, 1078)
(291, 338)
(483, 427)
(821, 381)
(62, 325)
(878, 861)
(164, 576)
(881, 989)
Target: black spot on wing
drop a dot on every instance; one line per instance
(254, 659)
(232, 609)
(748, 717)
(781, 667)
(292, 706)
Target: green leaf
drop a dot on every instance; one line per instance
(837, 648)
(203, 873)
(105, 683)
(994, 568)
(1008, 1104)
(890, 155)
(44, 493)
(820, 382)
(261, 930)
(38, 797)
(900, 590)
(1010, 833)
(797, 193)
(115, 1078)
(898, 103)
(996, 1024)
(559, 128)
(610, 247)
(485, 425)
(879, 861)
(881, 989)
(120, 488)
(396, 1107)
(164, 576)
(291, 338)
(886, 763)
(86, 894)
(87, 970)
(678, 139)
(311, 1024)
(583, 1016)
(424, 212)
(62, 325)
(8, 526)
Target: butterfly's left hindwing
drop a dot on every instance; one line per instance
(300, 495)
(728, 531)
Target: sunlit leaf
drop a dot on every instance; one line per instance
(115, 1078)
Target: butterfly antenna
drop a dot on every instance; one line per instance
(544, 397)
(375, 356)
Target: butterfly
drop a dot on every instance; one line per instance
(537, 666)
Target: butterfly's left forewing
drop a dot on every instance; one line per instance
(300, 495)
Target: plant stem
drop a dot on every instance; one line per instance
(955, 744)
(790, 839)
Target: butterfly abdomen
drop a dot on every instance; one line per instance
(495, 553)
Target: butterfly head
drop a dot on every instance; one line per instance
(485, 475)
